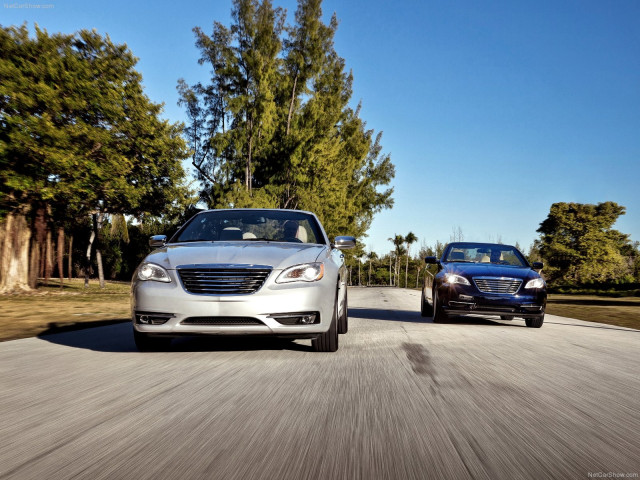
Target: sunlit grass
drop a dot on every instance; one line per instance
(50, 308)
(623, 312)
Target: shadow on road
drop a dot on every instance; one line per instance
(119, 338)
(415, 317)
(389, 315)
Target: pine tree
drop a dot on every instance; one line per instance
(292, 141)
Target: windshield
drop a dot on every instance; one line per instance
(251, 226)
(485, 253)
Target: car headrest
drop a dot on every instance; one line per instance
(231, 233)
(456, 256)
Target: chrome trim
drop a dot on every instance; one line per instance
(223, 266)
(514, 282)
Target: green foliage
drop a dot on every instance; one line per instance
(579, 245)
(77, 132)
(273, 128)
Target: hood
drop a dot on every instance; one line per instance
(490, 270)
(274, 254)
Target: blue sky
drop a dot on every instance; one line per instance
(491, 111)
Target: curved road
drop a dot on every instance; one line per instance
(402, 398)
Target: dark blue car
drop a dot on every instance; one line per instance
(485, 279)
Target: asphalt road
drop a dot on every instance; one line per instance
(403, 398)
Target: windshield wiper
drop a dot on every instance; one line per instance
(461, 261)
(259, 239)
(195, 240)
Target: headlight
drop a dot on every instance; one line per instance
(308, 272)
(535, 283)
(452, 278)
(151, 271)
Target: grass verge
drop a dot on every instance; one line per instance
(623, 312)
(51, 309)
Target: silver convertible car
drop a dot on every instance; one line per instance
(243, 272)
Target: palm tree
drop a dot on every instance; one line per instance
(409, 239)
(398, 242)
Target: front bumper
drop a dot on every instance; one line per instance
(271, 300)
(467, 300)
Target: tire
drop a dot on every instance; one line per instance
(328, 341)
(426, 309)
(343, 323)
(534, 322)
(506, 317)
(438, 314)
(146, 343)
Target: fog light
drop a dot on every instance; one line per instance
(297, 318)
(153, 318)
(307, 319)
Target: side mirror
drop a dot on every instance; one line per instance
(537, 265)
(344, 243)
(431, 260)
(157, 240)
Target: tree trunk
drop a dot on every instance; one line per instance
(249, 179)
(34, 263)
(70, 264)
(369, 281)
(14, 253)
(98, 252)
(406, 272)
(396, 272)
(48, 267)
(100, 270)
(87, 260)
(390, 275)
(61, 255)
(293, 97)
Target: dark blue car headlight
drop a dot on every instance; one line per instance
(453, 278)
(535, 283)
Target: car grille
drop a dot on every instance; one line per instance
(220, 281)
(221, 321)
(497, 284)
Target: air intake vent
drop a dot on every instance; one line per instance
(223, 281)
(221, 321)
(499, 285)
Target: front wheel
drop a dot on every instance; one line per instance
(438, 313)
(534, 322)
(343, 324)
(328, 341)
(426, 309)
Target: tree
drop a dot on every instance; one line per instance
(456, 234)
(78, 137)
(579, 244)
(371, 256)
(409, 239)
(274, 128)
(398, 242)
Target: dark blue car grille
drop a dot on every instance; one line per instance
(497, 285)
(220, 281)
